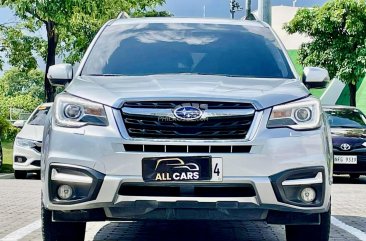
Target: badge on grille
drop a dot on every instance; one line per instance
(346, 147)
(188, 113)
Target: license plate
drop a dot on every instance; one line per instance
(345, 159)
(181, 169)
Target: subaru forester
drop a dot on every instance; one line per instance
(186, 119)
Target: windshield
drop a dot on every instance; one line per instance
(39, 116)
(186, 48)
(346, 118)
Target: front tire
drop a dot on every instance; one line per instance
(310, 232)
(20, 174)
(61, 231)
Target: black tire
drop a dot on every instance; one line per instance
(310, 232)
(20, 174)
(61, 231)
(354, 176)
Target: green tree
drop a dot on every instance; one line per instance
(337, 30)
(152, 13)
(16, 82)
(25, 102)
(70, 26)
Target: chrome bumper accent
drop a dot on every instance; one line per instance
(306, 181)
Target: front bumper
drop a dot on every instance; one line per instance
(31, 159)
(272, 152)
(109, 199)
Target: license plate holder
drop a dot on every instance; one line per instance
(173, 169)
(345, 159)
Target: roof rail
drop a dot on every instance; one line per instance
(123, 15)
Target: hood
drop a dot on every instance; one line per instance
(31, 132)
(353, 137)
(114, 90)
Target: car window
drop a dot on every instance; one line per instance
(38, 118)
(209, 49)
(345, 118)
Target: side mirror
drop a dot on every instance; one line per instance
(60, 74)
(315, 77)
(19, 124)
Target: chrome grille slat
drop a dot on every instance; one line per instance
(173, 104)
(168, 113)
(149, 120)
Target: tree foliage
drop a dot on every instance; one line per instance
(70, 25)
(20, 49)
(337, 30)
(25, 102)
(16, 82)
(22, 90)
(152, 13)
(7, 131)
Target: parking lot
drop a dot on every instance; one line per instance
(20, 218)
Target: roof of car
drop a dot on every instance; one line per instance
(188, 20)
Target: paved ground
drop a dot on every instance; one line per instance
(20, 214)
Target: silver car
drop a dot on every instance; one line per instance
(183, 119)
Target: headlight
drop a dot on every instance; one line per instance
(71, 111)
(24, 142)
(299, 115)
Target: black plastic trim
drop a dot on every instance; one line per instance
(307, 172)
(152, 210)
(187, 190)
(88, 215)
(94, 188)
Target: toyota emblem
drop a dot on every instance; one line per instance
(346, 147)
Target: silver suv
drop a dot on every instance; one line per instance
(183, 119)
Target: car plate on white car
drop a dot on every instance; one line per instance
(345, 159)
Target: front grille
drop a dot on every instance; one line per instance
(229, 126)
(187, 190)
(186, 149)
(37, 148)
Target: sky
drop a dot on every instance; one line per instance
(220, 8)
(194, 8)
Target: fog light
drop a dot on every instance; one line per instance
(20, 159)
(65, 192)
(308, 195)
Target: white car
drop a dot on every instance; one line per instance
(28, 143)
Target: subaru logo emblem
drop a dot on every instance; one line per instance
(346, 147)
(188, 113)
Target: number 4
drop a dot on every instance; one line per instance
(217, 169)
